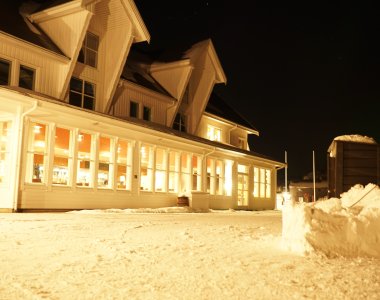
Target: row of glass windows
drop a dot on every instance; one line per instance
(134, 111)
(106, 162)
(105, 158)
(26, 78)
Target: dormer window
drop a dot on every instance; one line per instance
(242, 144)
(179, 122)
(147, 113)
(89, 52)
(133, 109)
(26, 78)
(5, 69)
(214, 133)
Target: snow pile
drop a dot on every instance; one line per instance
(349, 226)
(173, 209)
(356, 138)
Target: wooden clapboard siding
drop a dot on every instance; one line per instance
(50, 71)
(354, 163)
(143, 97)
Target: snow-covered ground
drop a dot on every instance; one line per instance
(169, 254)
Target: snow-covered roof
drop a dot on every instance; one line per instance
(357, 138)
(353, 138)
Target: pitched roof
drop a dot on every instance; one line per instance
(13, 23)
(217, 106)
(136, 70)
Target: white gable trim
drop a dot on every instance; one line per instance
(141, 31)
(56, 11)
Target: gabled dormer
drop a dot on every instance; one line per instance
(206, 73)
(96, 35)
(174, 76)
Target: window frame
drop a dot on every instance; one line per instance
(147, 109)
(110, 162)
(180, 122)
(262, 184)
(27, 68)
(86, 49)
(90, 160)
(243, 178)
(127, 164)
(33, 175)
(69, 156)
(9, 63)
(82, 93)
(136, 108)
(214, 133)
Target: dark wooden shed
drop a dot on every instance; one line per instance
(352, 161)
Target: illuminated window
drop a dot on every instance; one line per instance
(197, 173)
(62, 161)
(228, 177)
(106, 165)
(242, 187)
(124, 165)
(5, 140)
(160, 179)
(179, 122)
(210, 169)
(185, 172)
(146, 167)
(261, 182)
(5, 72)
(219, 177)
(215, 177)
(37, 153)
(89, 52)
(213, 133)
(85, 157)
(256, 182)
(82, 93)
(26, 77)
(173, 171)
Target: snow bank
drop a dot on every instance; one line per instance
(349, 226)
(173, 209)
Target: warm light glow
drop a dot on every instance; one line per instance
(213, 133)
(37, 128)
(39, 144)
(286, 196)
(80, 137)
(228, 186)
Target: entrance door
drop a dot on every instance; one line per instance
(242, 187)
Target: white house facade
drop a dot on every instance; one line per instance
(88, 122)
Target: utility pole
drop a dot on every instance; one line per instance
(314, 175)
(286, 172)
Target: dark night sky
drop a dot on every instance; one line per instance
(301, 72)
